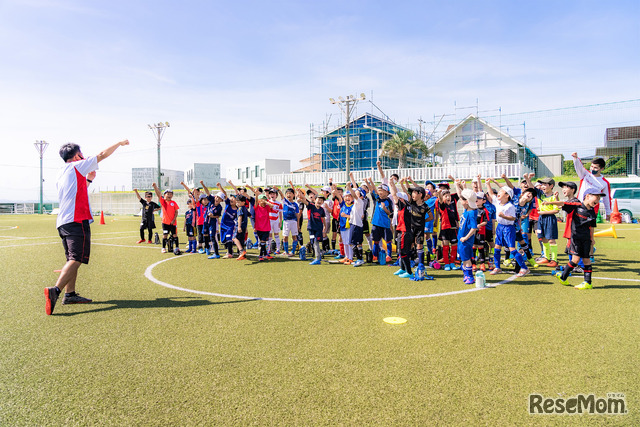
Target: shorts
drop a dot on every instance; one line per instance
(405, 242)
(76, 240)
(315, 234)
(227, 233)
(145, 224)
(189, 230)
(242, 237)
(428, 227)
(263, 236)
(275, 226)
(450, 235)
(479, 239)
(380, 233)
(169, 229)
(335, 225)
(506, 236)
(418, 236)
(365, 226)
(465, 250)
(548, 225)
(290, 227)
(520, 236)
(580, 247)
(533, 226)
(357, 233)
(524, 223)
(345, 234)
(488, 235)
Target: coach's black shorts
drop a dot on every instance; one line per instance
(169, 229)
(450, 235)
(580, 247)
(76, 239)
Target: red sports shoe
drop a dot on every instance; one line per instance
(140, 241)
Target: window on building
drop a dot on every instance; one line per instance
(239, 172)
(247, 172)
(257, 172)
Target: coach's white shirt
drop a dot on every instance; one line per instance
(72, 191)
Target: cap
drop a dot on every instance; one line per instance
(593, 191)
(507, 190)
(419, 190)
(444, 184)
(569, 184)
(220, 195)
(326, 188)
(202, 196)
(548, 181)
(362, 192)
(402, 195)
(385, 187)
(470, 196)
(262, 197)
(429, 183)
(167, 191)
(347, 193)
(271, 190)
(480, 195)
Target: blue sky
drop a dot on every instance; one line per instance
(95, 72)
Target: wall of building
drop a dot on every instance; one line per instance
(143, 178)
(255, 173)
(209, 173)
(550, 165)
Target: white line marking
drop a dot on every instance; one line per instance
(149, 275)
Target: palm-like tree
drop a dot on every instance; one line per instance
(402, 144)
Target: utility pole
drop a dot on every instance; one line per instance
(41, 147)
(350, 102)
(158, 131)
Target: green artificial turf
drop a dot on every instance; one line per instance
(144, 354)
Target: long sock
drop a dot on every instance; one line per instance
(473, 258)
(428, 257)
(369, 241)
(519, 259)
(454, 254)
(164, 243)
(294, 246)
(507, 254)
(390, 248)
(445, 254)
(360, 255)
(177, 242)
(525, 248)
(542, 253)
(554, 251)
(286, 245)
(567, 270)
(316, 248)
(467, 271)
(429, 244)
(341, 249)
(421, 256)
(325, 244)
(207, 241)
(214, 241)
(333, 244)
(588, 269)
(480, 255)
(496, 258)
(376, 249)
(263, 248)
(434, 241)
(547, 250)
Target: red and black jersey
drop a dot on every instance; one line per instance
(404, 216)
(482, 216)
(582, 220)
(567, 228)
(449, 217)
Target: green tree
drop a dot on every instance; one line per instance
(403, 144)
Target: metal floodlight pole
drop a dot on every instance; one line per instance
(41, 147)
(158, 131)
(349, 103)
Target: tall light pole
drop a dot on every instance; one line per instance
(158, 131)
(350, 102)
(41, 147)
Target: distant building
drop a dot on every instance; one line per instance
(143, 178)
(209, 173)
(255, 174)
(367, 135)
(622, 142)
(311, 164)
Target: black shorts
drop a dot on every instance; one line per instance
(169, 229)
(263, 236)
(144, 225)
(580, 247)
(315, 234)
(479, 239)
(418, 235)
(189, 230)
(519, 236)
(379, 233)
(450, 235)
(488, 235)
(76, 240)
(335, 225)
(533, 225)
(365, 226)
(356, 235)
(242, 237)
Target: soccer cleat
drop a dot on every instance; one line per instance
(150, 242)
(375, 260)
(532, 263)
(552, 264)
(396, 264)
(584, 285)
(339, 256)
(214, 256)
(593, 260)
(227, 256)
(200, 251)
(242, 256)
(507, 262)
(455, 267)
(405, 275)
(268, 257)
(469, 280)
(50, 298)
(523, 272)
(358, 263)
(447, 267)
(344, 260)
(399, 272)
(495, 271)
(389, 259)
(542, 261)
(315, 262)
(347, 262)
(260, 258)
(483, 267)
(140, 241)
(562, 282)
(75, 299)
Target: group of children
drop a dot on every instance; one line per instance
(412, 219)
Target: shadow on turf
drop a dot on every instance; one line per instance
(181, 302)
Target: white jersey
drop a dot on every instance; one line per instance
(587, 180)
(508, 209)
(357, 211)
(72, 191)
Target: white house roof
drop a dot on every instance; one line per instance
(453, 130)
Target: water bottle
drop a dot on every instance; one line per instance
(303, 253)
(382, 257)
(480, 279)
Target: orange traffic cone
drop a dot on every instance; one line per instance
(609, 232)
(102, 218)
(616, 216)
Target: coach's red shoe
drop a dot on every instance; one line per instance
(141, 241)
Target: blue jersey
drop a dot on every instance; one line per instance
(189, 217)
(229, 216)
(214, 210)
(380, 217)
(492, 215)
(431, 202)
(344, 209)
(521, 210)
(243, 217)
(467, 222)
(290, 210)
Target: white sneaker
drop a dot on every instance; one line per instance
(523, 273)
(495, 271)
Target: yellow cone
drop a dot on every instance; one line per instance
(609, 232)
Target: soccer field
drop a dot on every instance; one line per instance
(183, 340)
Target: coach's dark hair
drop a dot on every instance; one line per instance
(599, 161)
(68, 151)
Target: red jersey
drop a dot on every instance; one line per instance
(169, 212)
(449, 217)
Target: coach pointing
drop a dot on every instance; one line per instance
(74, 219)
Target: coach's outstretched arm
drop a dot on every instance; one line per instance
(109, 151)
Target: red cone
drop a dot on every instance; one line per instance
(102, 218)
